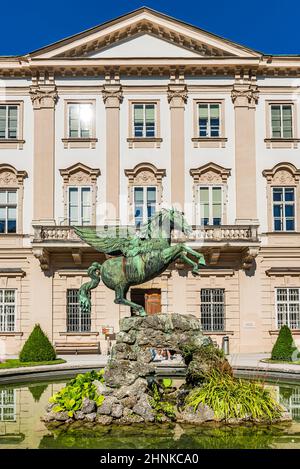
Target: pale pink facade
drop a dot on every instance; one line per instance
(137, 114)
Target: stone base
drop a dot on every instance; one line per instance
(128, 392)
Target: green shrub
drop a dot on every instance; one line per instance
(71, 396)
(284, 348)
(234, 398)
(37, 347)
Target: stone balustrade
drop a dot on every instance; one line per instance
(223, 233)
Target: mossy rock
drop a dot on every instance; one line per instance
(37, 347)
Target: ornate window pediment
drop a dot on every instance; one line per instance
(210, 173)
(283, 174)
(10, 177)
(79, 174)
(145, 174)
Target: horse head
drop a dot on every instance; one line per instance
(162, 223)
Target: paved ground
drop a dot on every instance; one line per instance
(242, 364)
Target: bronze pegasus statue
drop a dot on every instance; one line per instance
(138, 256)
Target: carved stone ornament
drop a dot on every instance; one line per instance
(210, 173)
(177, 93)
(44, 96)
(10, 177)
(243, 95)
(79, 174)
(112, 94)
(144, 174)
(283, 174)
(44, 258)
(248, 257)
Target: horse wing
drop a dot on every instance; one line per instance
(110, 241)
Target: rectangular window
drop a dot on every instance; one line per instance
(8, 211)
(80, 208)
(7, 310)
(212, 309)
(284, 208)
(77, 320)
(210, 200)
(288, 307)
(80, 118)
(144, 204)
(144, 120)
(282, 120)
(8, 121)
(7, 405)
(209, 120)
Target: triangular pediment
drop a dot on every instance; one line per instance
(144, 33)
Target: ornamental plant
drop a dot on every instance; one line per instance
(70, 398)
(230, 397)
(37, 347)
(284, 348)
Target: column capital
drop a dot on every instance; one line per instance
(112, 95)
(244, 95)
(43, 96)
(177, 95)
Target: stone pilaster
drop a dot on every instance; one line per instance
(44, 99)
(177, 97)
(112, 97)
(244, 98)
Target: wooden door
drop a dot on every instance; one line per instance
(152, 303)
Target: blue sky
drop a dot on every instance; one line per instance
(267, 26)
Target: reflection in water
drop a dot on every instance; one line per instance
(21, 408)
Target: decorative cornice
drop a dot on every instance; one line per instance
(112, 95)
(43, 96)
(244, 95)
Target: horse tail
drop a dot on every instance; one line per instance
(94, 272)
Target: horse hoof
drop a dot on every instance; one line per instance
(143, 313)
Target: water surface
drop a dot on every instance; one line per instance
(22, 406)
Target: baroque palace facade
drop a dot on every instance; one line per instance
(112, 124)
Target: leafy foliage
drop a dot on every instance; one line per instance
(161, 407)
(37, 347)
(70, 397)
(234, 398)
(167, 382)
(202, 360)
(284, 348)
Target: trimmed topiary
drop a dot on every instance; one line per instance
(37, 347)
(284, 348)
